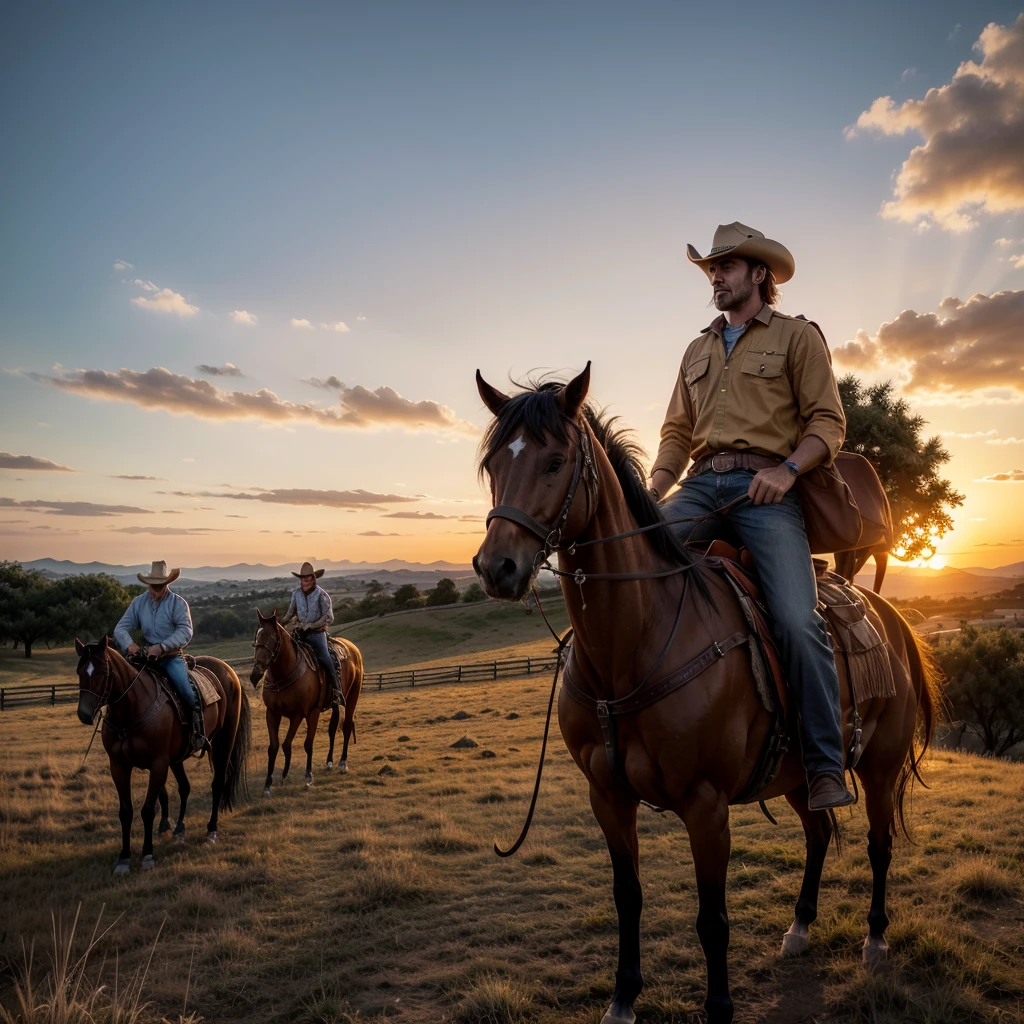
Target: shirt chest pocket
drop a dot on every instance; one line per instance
(696, 377)
(766, 367)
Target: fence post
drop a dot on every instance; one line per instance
(495, 670)
(2, 695)
(413, 682)
(529, 670)
(380, 680)
(460, 674)
(53, 696)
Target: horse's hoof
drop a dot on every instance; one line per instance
(343, 767)
(795, 942)
(309, 779)
(211, 837)
(148, 863)
(330, 765)
(179, 834)
(122, 867)
(875, 951)
(613, 1017)
(165, 826)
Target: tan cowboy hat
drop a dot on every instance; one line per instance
(737, 239)
(308, 570)
(159, 574)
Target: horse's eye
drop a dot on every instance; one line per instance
(555, 464)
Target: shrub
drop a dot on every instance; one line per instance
(474, 592)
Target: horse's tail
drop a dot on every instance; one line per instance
(235, 779)
(926, 677)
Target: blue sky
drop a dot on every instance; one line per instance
(460, 185)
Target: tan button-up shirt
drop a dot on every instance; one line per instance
(775, 388)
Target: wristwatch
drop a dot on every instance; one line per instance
(791, 465)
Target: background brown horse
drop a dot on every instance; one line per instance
(291, 689)
(694, 751)
(141, 730)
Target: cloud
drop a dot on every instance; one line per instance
(339, 325)
(417, 515)
(377, 533)
(1017, 261)
(123, 265)
(163, 300)
(331, 383)
(971, 435)
(908, 74)
(972, 159)
(303, 323)
(360, 317)
(1011, 476)
(74, 508)
(330, 499)
(956, 31)
(172, 512)
(234, 515)
(168, 531)
(964, 347)
(244, 317)
(8, 461)
(134, 476)
(227, 370)
(1003, 243)
(157, 388)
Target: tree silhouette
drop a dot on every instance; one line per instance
(880, 427)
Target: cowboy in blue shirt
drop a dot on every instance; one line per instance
(311, 605)
(166, 626)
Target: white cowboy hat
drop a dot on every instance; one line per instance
(735, 240)
(307, 570)
(159, 574)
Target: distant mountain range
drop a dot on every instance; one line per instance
(246, 571)
(900, 581)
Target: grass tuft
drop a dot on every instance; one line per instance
(494, 999)
(981, 880)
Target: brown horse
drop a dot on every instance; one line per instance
(562, 479)
(291, 689)
(141, 730)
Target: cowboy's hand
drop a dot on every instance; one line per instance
(155, 651)
(133, 648)
(770, 486)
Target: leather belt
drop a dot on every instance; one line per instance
(726, 462)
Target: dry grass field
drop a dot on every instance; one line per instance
(375, 895)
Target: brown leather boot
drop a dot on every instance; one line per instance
(828, 789)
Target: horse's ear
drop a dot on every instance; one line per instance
(259, 615)
(79, 647)
(574, 394)
(491, 397)
(274, 615)
(104, 640)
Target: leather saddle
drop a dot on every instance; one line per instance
(339, 654)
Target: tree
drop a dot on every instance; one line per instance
(474, 592)
(444, 593)
(34, 609)
(407, 596)
(985, 684)
(879, 426)
(222, 624)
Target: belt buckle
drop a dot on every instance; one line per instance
(728, 463)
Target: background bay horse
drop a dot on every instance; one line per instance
(141, 730)
(560, 474)
(291, 689)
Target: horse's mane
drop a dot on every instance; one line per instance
(536, 410)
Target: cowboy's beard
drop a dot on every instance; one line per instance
(727, 298)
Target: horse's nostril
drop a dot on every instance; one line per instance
(476, 564)
(508, 567)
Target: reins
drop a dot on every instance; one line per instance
(633, 701)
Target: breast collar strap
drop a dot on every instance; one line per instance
(584, 470)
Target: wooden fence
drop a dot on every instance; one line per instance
(34, 695)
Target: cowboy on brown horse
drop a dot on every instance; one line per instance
(755, 406)
(312, 606)
(166, 625)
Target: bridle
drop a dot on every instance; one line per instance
(584, 471)
(274, 650)
(104, 697)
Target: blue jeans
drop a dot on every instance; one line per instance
(775, 535)
(177, 672)
(318, 641)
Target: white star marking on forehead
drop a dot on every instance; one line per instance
(90, 668)
(517, 446)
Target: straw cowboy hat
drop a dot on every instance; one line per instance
(159, 574)
(735, 240)
(307, 570)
